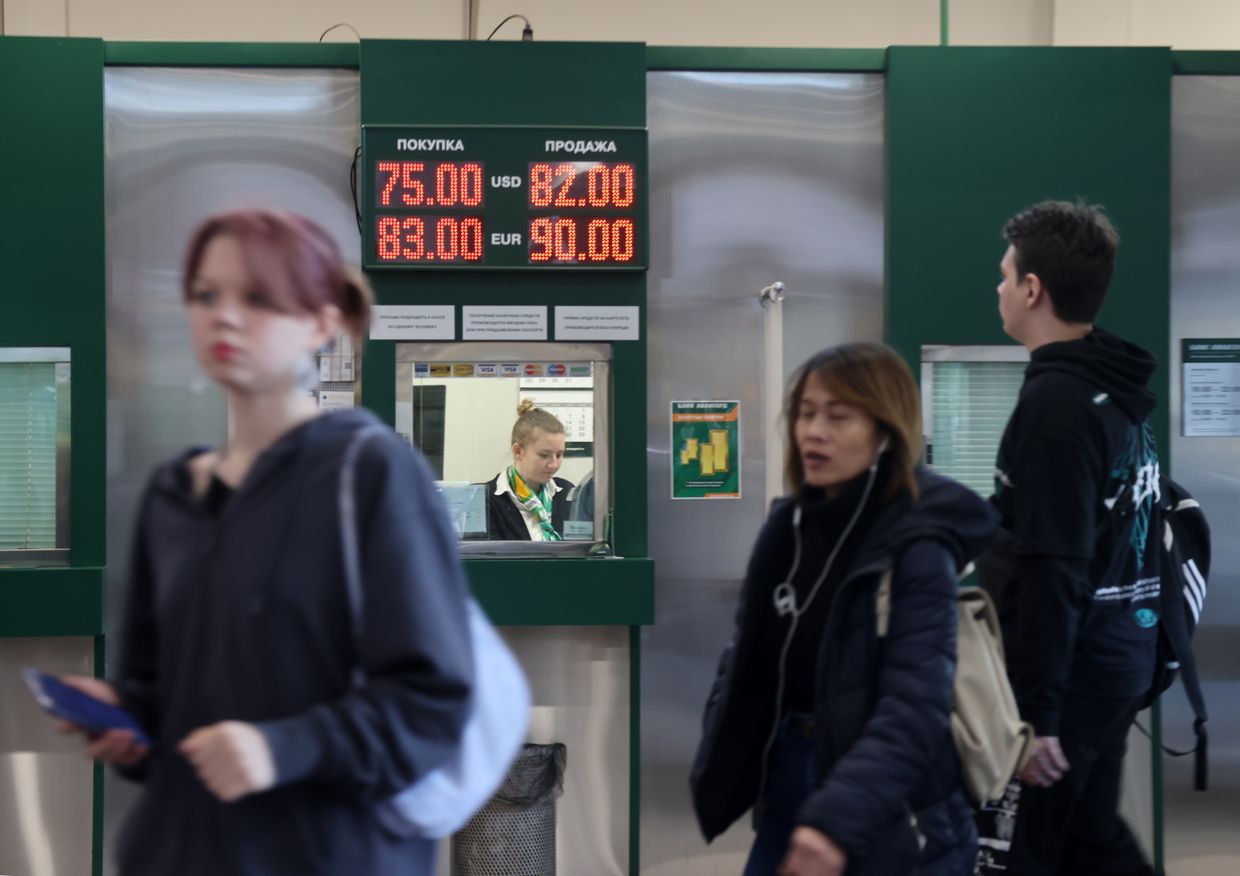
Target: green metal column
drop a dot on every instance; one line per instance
(542, 84)
(52, 294)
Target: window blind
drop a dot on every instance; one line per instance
(27, 455)
(971, 404)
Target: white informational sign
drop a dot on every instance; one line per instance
(336, 363)
(335, 400)
(1211, 387)
(433, 322)
(503, 323)
(597, 324)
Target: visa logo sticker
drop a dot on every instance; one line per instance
(510, 369)
(488, 370)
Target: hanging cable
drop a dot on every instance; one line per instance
(341, 24)
(357, 208)
(527, 32)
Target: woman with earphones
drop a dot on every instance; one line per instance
(836, 735)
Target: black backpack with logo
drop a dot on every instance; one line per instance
(1185, 571)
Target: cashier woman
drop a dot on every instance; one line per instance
(527, 502)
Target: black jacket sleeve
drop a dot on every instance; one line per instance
(407, 718)
(1051, 598)
(136, 679)
(869, 787)
(1056, 498)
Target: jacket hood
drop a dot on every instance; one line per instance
(944, 511)
(173, 477)
(1118, 367)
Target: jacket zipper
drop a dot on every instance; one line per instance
(760, 803)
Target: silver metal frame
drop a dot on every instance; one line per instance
(60, 356)
(932, 353)
(599, 355)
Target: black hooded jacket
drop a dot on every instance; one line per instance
(244, 616)
(887, 771)
(1075, 485)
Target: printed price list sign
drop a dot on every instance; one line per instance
(1211, 387)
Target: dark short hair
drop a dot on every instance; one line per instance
(295, 261)
(874, 379)
(1071, 248)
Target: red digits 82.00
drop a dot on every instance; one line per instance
(562, 185)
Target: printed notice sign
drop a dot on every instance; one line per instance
(597, 324)
(504, 323)
(1211, 386)
(335, 400)
(706, 450)
(405, 323)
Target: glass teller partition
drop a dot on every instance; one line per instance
(34, 456)
(457, 403)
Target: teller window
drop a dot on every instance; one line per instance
(34, 456)
(517, 436)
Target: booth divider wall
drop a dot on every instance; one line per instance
(52, 295)
(555, 85)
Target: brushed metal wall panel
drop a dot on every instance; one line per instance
(1205, 276)
(45, 783)
(755, 177)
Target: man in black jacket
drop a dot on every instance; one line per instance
(1075, 483)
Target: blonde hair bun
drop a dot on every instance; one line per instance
(532, 420)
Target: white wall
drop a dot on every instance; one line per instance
(1183, 24)
(235, 20)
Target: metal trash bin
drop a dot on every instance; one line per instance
(514, 834)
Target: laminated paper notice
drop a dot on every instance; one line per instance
(408, 323)
(335, 400)
(706, 450)
(595, 323)
(504, 323)
(1211, 387)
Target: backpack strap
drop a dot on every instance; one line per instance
(882, 597)
(349, 541)
(1175, 499)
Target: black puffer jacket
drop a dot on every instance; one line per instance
(888, 775)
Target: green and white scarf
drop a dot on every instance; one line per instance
(539, 503)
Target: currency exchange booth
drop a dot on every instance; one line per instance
(503, 203)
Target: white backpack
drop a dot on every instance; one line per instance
(442, 801)
(992, 741)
